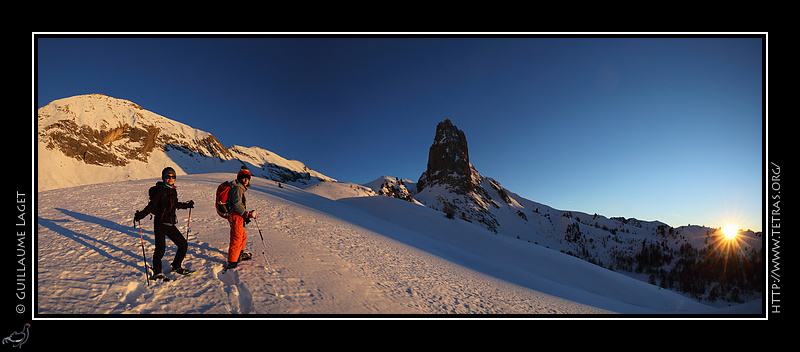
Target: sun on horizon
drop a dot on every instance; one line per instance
(730, 231)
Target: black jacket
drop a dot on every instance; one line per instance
(163, 203)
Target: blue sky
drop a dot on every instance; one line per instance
(663, 129)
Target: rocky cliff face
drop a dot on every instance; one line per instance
(448, 161)
(97, 147)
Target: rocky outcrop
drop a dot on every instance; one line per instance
(448, 161)
(112, 147)
(395, 189)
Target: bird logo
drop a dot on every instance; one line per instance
(18, 337)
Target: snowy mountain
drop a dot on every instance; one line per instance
(355, 255)
(95, 138)
(452, 212)
(651, 251)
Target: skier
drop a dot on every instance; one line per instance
(239, 216)
(163, 203)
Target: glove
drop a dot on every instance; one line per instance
(190, 204)
(250, 214)
(138, 216)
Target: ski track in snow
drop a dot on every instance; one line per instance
(90, 260)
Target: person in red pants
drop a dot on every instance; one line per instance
(239, 216)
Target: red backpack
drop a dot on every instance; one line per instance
(221, 203)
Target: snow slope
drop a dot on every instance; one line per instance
(328, 254)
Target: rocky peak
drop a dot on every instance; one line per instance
(451, 184)
(448, 160)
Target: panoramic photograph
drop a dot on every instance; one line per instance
(439, 177)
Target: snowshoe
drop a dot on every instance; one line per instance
(182, 271)
(160, 276)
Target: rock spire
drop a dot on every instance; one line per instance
(448, 160)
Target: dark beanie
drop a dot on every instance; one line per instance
(167, 171)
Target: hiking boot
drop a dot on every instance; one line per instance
(232, 265)
(244, 256)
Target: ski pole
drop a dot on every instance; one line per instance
(144, 259)
(188, 229)
(263, 246)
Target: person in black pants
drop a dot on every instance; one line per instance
(163, 203)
